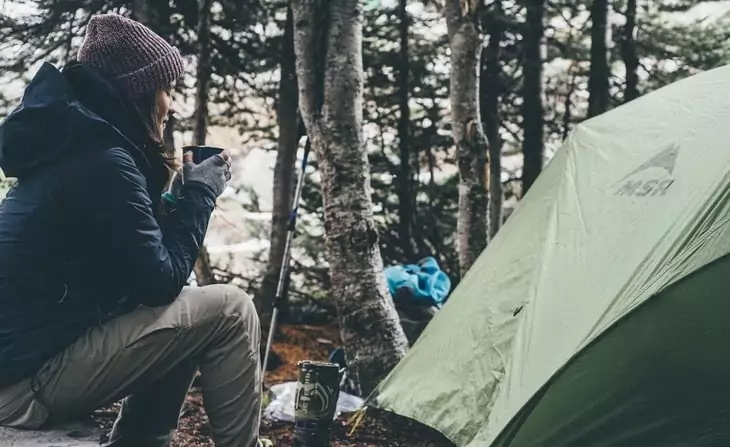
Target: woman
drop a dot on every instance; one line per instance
(93, 306)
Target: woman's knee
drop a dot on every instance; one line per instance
(218, 301)
(238, 310)
(235, 301)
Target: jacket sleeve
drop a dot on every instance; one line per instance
(157, 265)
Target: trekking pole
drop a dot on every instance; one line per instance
(284, 271)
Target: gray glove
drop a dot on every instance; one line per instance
(213, 172)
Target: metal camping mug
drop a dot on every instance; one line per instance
(200, 153)
(315, 402)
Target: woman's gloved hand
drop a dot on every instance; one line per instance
(213, 172)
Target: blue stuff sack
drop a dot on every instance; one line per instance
(424, 281)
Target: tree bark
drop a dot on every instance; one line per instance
(598, 77)
(465, 41)
(491, 83)
(203, 271)
(629, 54)
(286, 157)
(532, 107)
(369, 325)
(405, 176)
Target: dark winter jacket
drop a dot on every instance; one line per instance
(80, 238)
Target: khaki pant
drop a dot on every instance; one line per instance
(149, 357)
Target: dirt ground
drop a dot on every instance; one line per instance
(377, 429)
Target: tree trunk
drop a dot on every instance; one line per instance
(405, 176)
(598, 78)
(532, 107)
(465, 41)
(432, 193)
(434, 114)
(490, 90)
(202, 87)
(369, 325)
(628, 53)
(286, 158)
(203, 270)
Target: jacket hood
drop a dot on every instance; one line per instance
(60, 114)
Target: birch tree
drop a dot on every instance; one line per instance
(465, 42)
(328, 48)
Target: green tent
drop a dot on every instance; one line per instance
(600, 314)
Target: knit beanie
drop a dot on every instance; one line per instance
(135, 59)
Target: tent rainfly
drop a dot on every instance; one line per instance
(600, 314)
